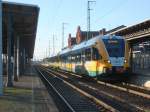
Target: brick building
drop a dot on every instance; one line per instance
(71, 41)
(82, 35)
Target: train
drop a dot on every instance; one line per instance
(101, 56)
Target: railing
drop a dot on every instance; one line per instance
(138, 33)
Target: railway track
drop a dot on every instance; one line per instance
(137, 90)
(68, 97)
(120, 97)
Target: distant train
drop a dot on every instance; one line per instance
(100, 56)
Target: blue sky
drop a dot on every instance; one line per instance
(105, 14)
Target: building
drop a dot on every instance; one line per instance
(71, 41)
(82, 35)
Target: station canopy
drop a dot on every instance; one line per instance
(24, 19)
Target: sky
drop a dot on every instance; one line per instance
(104, 14)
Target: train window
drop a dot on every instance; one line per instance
(73, 58)
(88, 54)
(95, 54)
(64, 59)
(70, 58)
(83, 56)
(60, 58)
(78, 57)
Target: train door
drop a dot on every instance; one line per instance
(90, 62)
(69, 63)
(96, 59)
(63, 62)
(78, 65)
(73, 62)
(83, 61)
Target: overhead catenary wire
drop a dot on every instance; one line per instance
(113, 9)
(54, 18)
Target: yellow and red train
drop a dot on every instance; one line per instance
(99, 56)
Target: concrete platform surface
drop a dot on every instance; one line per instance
(28, 95)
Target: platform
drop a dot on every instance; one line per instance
(28, 95)
(140, 79)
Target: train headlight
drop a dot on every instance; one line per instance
(125, 61)
(108, 61)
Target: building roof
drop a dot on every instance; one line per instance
(132, 28)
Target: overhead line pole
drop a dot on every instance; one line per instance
(88, 18)
(49, 49)
(53, 45)
(63, 28)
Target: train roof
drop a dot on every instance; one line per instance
(80, 46)
(64, 51)
(112, 37)
(86, 44)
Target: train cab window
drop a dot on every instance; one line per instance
(95, 54)
(88, 54)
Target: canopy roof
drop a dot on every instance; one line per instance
(24, 19)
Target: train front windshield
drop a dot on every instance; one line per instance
(115, 47)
